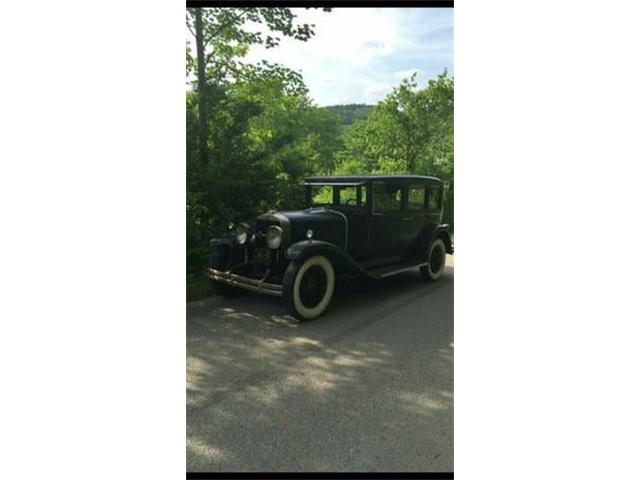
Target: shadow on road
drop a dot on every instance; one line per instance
(368, 386)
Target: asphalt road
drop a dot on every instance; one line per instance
(366, 387)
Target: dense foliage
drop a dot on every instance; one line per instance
(253, 133)
(409, 131)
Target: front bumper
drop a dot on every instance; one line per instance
(252, 284)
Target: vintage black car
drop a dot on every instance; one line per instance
(374, 226)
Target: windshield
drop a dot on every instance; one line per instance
(333, 195)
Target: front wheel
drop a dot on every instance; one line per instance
(436, 257)
(307, 287)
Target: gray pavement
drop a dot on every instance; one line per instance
(366, 387)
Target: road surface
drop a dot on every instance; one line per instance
(366, 387)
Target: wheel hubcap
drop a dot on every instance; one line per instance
(313, 286)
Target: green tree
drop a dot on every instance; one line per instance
(230, 175)
(350, 113)
(223, 36)
(409, 131)
(266, 140)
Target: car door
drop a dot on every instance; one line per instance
(386, 221)
(351, 201)
(415, 217)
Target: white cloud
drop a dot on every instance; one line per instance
(358, 54)
(351, 36)
(375, 90)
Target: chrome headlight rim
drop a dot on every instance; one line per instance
(242, 233)
(274, 237)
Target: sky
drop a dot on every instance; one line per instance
(358, 55)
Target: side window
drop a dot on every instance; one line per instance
(386, 198)
(354, 196)
(434, 193)
(416, 197)
(348, 196)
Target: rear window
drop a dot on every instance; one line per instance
(434, 197)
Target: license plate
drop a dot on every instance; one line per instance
(263, 255)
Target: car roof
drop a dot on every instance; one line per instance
(359, 179)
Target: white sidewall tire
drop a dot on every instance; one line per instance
(309, 313)
(437, 243)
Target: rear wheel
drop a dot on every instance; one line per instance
(436, 258)
(307, 287)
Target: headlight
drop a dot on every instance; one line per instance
(274, 237)
(242, 233)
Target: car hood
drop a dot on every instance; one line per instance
(328, 225)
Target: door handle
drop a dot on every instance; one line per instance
(406, 218)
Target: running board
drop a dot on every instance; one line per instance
(394, 269)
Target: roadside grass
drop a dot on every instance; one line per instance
(199, 286)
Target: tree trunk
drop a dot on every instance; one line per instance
(203, 126)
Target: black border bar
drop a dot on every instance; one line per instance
(321, 3)
(321, 475)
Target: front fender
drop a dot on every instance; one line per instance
(307, 248)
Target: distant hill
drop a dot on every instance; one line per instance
(351, 112)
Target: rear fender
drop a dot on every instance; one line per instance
(425, 238)
(444, 233)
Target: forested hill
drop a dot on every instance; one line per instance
(351, 112)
